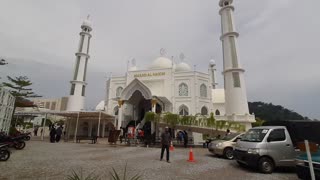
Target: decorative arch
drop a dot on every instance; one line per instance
(183, 89)
(203, 90)
(217, 112)
(119, 91)
(204, 110)
(183, 110)
(136, 85)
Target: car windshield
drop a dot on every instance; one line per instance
(229, 137)
(255, 135)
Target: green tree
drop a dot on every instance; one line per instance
(19, 87)
(171, 119)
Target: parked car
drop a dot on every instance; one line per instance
(267, 147)
(224, 147)
(302, 165)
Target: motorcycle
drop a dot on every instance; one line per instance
(4, 152)
(25, 136)
(16, 142)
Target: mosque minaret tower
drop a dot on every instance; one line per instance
(236, 103)
(78, 83)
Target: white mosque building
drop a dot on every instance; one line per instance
(169, 87)
(166, 86)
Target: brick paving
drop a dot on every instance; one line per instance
(43, 160)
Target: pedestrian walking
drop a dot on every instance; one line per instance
(165, 143)
(58, 133)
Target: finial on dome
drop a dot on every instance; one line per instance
(88, 16)
(133, 62)
(163, 52)
(212, 62)
(182, 57)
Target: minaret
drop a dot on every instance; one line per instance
(235, 89)
(212, 73)
(78, 83)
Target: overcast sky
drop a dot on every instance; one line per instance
(278, 43)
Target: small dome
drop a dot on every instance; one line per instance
(212, 62)
(86, 23)
(100, 106)
(161, 63)
(183, 67)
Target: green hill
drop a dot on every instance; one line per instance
(270, 112)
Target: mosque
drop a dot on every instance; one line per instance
(166, 86)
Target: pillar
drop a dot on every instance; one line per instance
(76, 128)
(99, 120)
(154, 106)
(103, 127)
(120, 114)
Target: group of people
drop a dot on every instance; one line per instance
(55, 133)
(182, 136)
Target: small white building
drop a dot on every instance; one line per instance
(6, 109)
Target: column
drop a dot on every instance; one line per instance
(76, 129)
(103, 127)
(154, 106)
(99, 120)
(90, 128)
(120, 115)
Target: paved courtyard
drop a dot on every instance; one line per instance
(43, 160)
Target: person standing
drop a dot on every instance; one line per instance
(185, 138)
(35, 131)
(58, 133)
(52, 134)
(165, 143)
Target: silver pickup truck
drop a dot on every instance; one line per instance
(267, 147)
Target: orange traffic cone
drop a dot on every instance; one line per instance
(191, 158)
(171, 147)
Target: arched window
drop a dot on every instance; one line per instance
(118, 92)
(183, 89)
(203, 90)
(204, 111)
(116, 110)
(183, 110)
(217, 112)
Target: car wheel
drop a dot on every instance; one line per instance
(266, 165)
(228, 153)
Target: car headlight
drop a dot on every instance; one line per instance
(218, 145)
(299, 162)
(253, 151)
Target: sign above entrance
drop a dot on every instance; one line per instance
(150, 74)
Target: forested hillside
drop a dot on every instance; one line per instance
(270, 112)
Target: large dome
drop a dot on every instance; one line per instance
(183, 67)
(161, 63)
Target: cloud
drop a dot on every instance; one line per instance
(278, 43)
